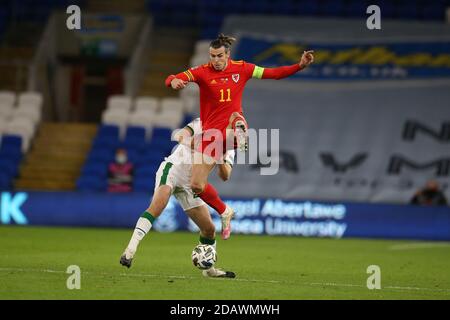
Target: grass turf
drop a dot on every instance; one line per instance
(34, 261)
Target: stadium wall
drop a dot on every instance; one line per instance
(267, 216)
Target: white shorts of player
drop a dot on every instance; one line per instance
(178, 177)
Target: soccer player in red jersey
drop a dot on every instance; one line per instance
(222, 82)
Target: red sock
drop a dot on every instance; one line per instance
(211, 197)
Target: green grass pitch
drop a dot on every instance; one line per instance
(34, 261)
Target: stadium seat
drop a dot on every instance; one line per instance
(161, 133)
(135, 138)
(30, 98)
(5, 181)
(142, 118)
(191, 104)
(162, 145)
(144, 184)
(172, 104)
(30, 111)
(6, 110)
(98, 169)
(91, 183)
(151, 156)
(146, 170)
(21, 127)
(117, 117)
(103, 154)
(146, 104)
(133, 156)
(7, 98)
(119, 102)
(9, 166)
(108, 131)
(106, 142)
(20, 123)
(11, 144)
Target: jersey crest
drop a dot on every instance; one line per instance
(235, 77)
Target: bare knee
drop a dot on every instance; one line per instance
(197, 187)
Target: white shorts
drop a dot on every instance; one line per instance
(178, 178)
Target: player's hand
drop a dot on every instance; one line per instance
(178, 84)
(307, 59)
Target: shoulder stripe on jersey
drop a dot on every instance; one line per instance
(192, 76)
(258, 72)
(190, 129)
(187, 75)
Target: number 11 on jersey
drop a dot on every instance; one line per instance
(222, 95)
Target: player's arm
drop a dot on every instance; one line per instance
(284, 71)
(184, 136)
(180, 80)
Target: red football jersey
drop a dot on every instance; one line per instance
(220, 91)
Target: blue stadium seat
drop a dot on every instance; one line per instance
(5, 181)
(144, 184)
(11, 144)
(106, 142)
(91, 183)
(151, 156)
(161, 133)
(135, 138)
(9, 166)
(97, 169)
(133, 155)
(187, 118)
(103, 154)
(148, 170)
(161, 145)
(108, 130)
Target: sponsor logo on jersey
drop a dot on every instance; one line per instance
(213, 81)
(235, 77)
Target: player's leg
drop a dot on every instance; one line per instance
(209, 194)
(164, 185)
(201, 169)
(201, 217)
(145, 222)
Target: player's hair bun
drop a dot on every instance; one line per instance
(222, 40)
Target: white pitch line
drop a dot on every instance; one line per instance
(419, 245)
(386, 287)
(329, 284)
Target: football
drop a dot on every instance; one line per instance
(204, 256)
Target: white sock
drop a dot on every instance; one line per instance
(226, 210)
(143, 226)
